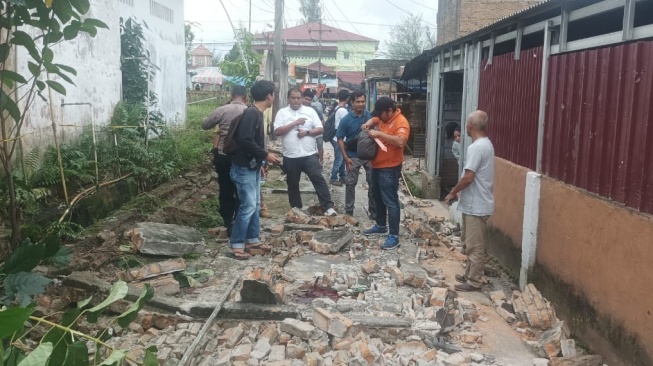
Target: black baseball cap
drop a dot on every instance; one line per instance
(383, 104)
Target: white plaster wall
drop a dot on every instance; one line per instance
(97, 61)
(167, 49)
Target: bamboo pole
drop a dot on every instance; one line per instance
(189, 353)
(56, 144)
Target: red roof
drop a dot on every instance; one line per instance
(325, 68)
(309, 32)
(201, 50)
(353, 77)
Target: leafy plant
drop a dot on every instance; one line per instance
(53, 22)
(63, 344)
(18, 284)
(243, 66)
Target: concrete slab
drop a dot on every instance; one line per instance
(167, 240)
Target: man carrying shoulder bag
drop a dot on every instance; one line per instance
(347, 135)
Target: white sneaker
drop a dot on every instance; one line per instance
(331, 212)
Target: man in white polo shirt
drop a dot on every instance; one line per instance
(298, 126)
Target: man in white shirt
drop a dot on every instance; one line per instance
(476, 200)
(298, 126)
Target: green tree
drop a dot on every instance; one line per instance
(234, 63)
(189, 37)
(217, 58)
(409, 39)
(52, 23)
(311, 10)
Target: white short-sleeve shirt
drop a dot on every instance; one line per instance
(478, 198)
(293, 146)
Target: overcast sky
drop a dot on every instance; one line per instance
(371, 18)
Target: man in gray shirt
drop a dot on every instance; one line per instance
(221, 119)
(476, 200)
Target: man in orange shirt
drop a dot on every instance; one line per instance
(393, 131)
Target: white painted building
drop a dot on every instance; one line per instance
(99, 80)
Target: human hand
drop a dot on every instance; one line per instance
(374, 134)
(450, 197)
(272, 158)
(348, 164)
(299, 121)
(303, 133)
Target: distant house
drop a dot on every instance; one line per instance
(200, 57)
(343, 53)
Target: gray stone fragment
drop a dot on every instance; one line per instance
(167, 240)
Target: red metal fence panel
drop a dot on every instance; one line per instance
(599, 127)
(509, 92)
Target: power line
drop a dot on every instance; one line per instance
(428, 7)
(409, 13)
(297, 20)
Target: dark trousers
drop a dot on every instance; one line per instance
(385, 188)
(310, 165)
(228, 197)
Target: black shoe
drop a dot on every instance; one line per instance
(350, 213)
(466, 287)
(461, 278)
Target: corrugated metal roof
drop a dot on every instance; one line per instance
(416, 66)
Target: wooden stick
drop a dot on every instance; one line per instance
(189, 353)
(406, 183)
(88, 191)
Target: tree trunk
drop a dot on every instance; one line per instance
(14, 219)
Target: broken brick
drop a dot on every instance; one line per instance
(333, 323)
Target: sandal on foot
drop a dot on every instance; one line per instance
(258, 246)
(241, 256)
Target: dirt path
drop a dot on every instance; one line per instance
(386, 311)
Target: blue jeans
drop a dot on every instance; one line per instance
(385, 188)
(338, 163)
(246, 224)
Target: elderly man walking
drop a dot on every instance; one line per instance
(476, 200)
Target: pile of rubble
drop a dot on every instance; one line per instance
(371, 307)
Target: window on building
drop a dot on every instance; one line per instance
(346, 55)
(128, 2)
(161, 11)
(200, 61)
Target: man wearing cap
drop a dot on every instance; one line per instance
(392, 134)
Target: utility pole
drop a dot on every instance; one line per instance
(249, 29)
(278, 25)
(319, 50)
(319, 56)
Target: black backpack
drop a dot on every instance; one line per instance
(330, 126)
(230, 143)
(366, 146)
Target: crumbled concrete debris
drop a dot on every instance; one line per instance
(550, 341)
(540, 362)
(165, 285)
(263, 286)
(330, 241)
(593, 360)
(530, 306)
(152, 270)
(167, 240)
